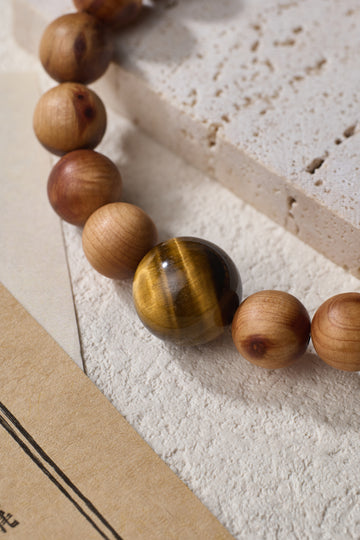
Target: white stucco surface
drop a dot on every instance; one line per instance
(272, 454)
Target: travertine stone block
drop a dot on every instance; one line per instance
(262, 95)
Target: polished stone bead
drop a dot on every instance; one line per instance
(186, 290)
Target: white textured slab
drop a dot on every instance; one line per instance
(32, 264)
(256, 93)
(272, 454)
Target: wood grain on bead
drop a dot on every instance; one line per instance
(114, 13)
(335, 331)
(69, 117)
(116, 237)
(186, 290)
(271, 329)
(81, 182)
(76, 47)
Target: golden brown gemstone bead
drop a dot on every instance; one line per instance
(76, 47)
(335, 331)
(271, 329)
(114, 13)
(116, 237)
(81, 182)
(68, 117)
(186, 290)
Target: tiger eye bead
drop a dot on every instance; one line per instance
(76, 47)
(335, 331)
(81, 182)
(186, 290)
(114, 13)
(116, 237)
(271, 329)
(68, 117)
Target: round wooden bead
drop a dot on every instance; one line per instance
(114, 13)
(81, 182)
(76, 47)
(116, 238)
(186, 290)
(335, 331)
(68, 117)
(271, 329)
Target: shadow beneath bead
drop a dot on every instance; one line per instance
(202, 10)
(156, 37)
(143, 190)
(154, 40)
(309, 387)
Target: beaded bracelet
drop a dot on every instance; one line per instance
(186, 290)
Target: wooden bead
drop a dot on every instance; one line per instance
(114, 13)
(81, 182)
(186, 290)
(68, 117)
(271, 329)
(335, 331)
(116, 237)
(76, 47)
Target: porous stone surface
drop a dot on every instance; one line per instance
(261, 95)
(273, 454)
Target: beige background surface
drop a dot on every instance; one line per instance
(33, 264)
